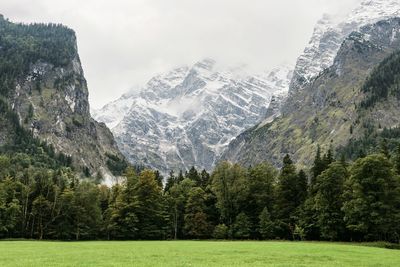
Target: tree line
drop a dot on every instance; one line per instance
(335, 200)
(384, 81)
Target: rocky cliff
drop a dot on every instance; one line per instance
(331, 31)
(42, 81)
(328, 111)
(188, 116)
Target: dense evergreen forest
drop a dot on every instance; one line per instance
(357, 201)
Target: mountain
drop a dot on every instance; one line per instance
(44, 92)
(331, 31)
(349, 106)
(188, 116)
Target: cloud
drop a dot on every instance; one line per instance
(124, 43)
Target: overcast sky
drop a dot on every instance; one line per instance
(123, 43)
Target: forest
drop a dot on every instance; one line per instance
(335, 200)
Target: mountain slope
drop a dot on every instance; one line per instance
(330, 32)
(327, 111)
(188, 116)
(42, 83)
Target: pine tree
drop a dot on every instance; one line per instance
(221, 231)
(205, 179)
(177, 198)
(41, 210)
(302, 185)
(180, 177)
(122, 220)
(10, 208)
(329, 201)
(397, 160)
(287, 190)
(372, 199)
(65, 223)
(159, 178)
(241, 227)
(318, 166)
(308, 218)
(196, 223)
(151, 208)
(261, 181)
(385, 148)
(171, 181)
(194, 176)
(328, 158)
(87, 210)
(266, 225)
(229, 184)
(287, 197)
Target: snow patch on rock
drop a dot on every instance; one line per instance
(188, 116)
(329, 33)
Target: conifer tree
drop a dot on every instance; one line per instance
(171, 181)
(318, 166)
(180, 177)
(372, 202)
(194, 176)
(261, 181)
(10, 207)
(287, 197)
(328, 158)
(329, 201)
(385, 148)
(241, 227)
(205, 179)
(302, 186)
(159, 178)
(397, 160)
(151, 208)
(266, 225)
(196, 222)
(229, 184)
(177, 198)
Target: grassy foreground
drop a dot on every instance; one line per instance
(192, 253)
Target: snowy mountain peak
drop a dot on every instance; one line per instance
(206, 64)
(281, 75)
(187, 116)
(329, 33)
(371, 11)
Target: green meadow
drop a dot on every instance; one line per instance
(192, 253)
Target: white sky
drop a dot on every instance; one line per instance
(123, 43)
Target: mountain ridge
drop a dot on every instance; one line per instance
(199, 106)
(325, 112)
(46, 88)
(329, 34)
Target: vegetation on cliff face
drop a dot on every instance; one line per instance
(331, 110)
(377, 113)
(44, 97)
(24, 45)
(383, 82)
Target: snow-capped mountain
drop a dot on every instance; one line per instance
(188, 116)
(331, 31)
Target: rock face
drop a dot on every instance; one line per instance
(187, 117)
(329, 33)
(51, 98)
(327, 111)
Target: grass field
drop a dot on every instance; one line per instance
(192, 253)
